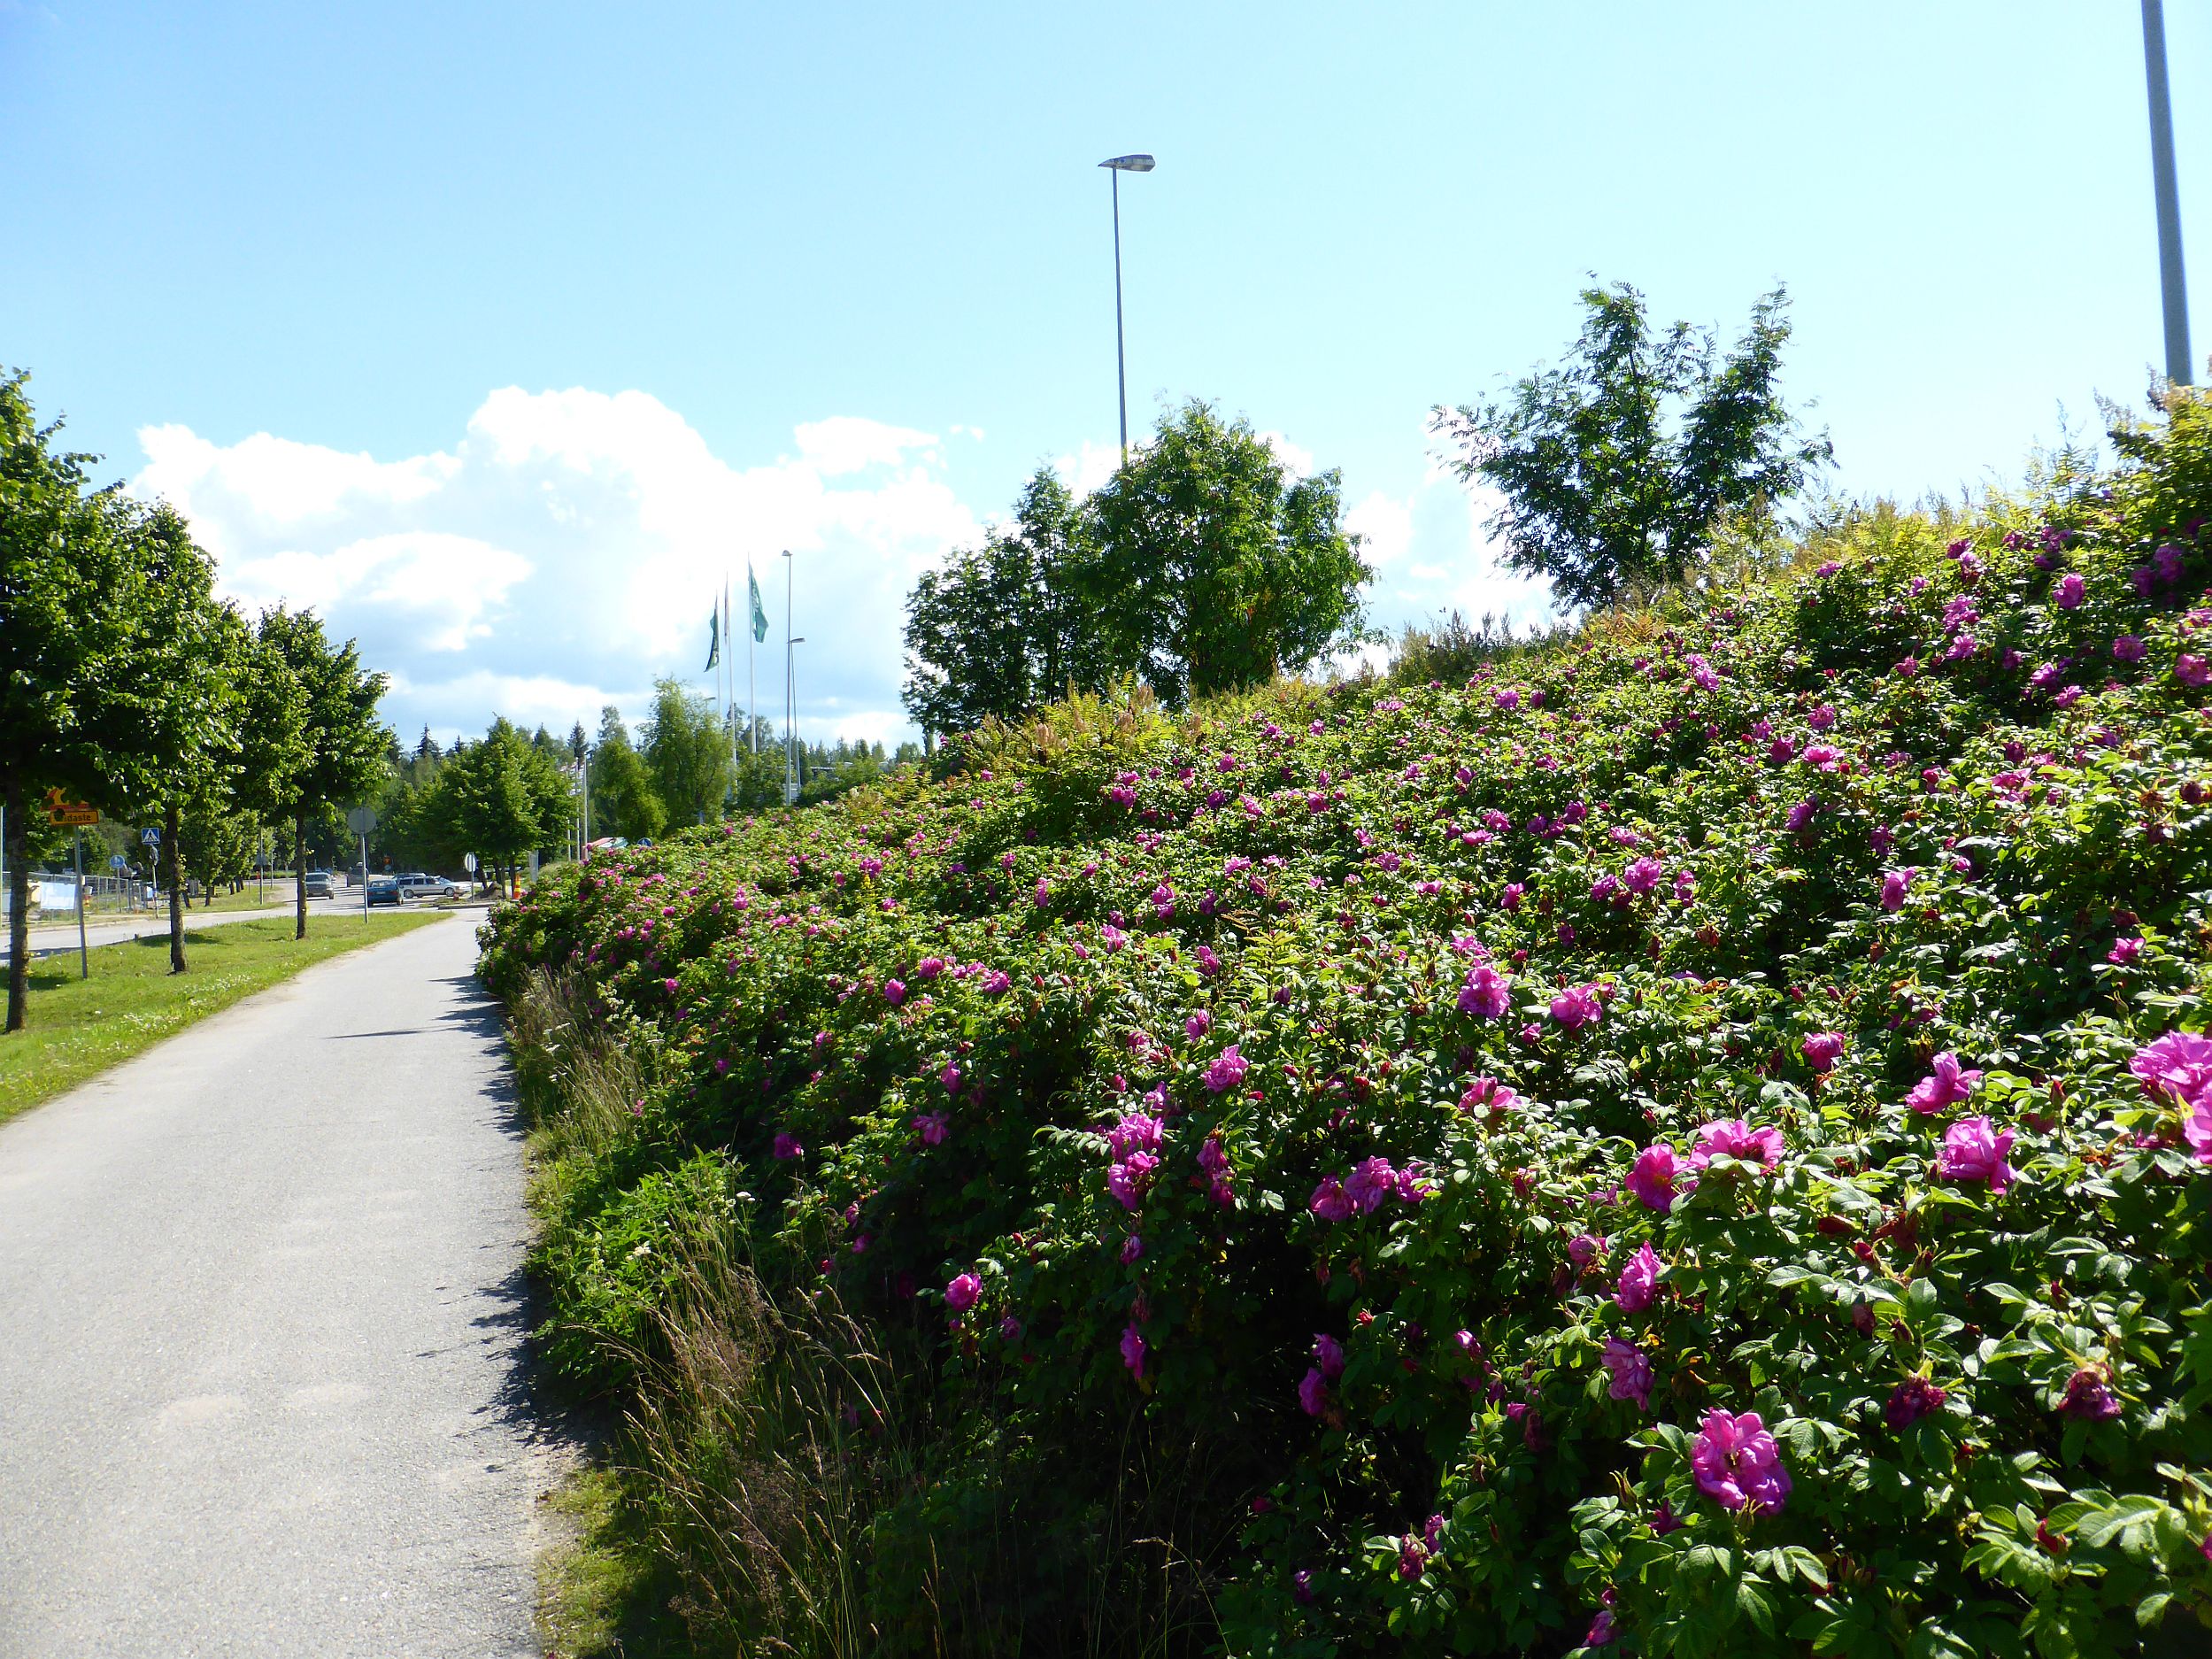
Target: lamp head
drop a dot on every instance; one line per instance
(1129, 164)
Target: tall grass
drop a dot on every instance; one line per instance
(796, 1471)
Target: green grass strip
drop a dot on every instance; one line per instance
(76, 1028)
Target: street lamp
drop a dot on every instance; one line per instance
(2167, 193)
(1117, 166)
(792, 780)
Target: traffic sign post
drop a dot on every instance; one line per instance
(84, 953)
(361, 820)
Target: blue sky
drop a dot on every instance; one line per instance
(498, 331)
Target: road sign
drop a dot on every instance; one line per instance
(69, 813)
(468, 862)
(361, 820)
(117, 862)
(150, 835)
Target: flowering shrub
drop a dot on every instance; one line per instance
(1674, 1157)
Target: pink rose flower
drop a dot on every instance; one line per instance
(1822, 1049)
(1733, 1137)
(1639, 1283)
(1947, 1086)
(1652, 1177)
(1737, 1462)
(1974, 1150)
(962, 1294)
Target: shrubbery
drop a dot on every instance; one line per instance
(1694, 1143)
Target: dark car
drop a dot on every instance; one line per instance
(383, 890)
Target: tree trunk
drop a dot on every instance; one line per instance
(299, 860)
(173, 854)
(19, 841)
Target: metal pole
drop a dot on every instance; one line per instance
(365, 881)
(751, 690)
(1121, 366)
(791, 712)
(2179, 367)
(84, 954)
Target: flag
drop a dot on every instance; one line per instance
(759, 615)
(713, 638)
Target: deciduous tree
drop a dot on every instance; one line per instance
(1615, 466)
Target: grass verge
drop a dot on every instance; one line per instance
(603, 1591)
(78, 1027)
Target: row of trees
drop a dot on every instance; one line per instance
(125, 684)
(1201, 566)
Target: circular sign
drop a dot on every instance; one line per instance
(361, 820)
(117, 861)
(468, 863)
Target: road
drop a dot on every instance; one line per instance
(261, 1324)
(49, 941)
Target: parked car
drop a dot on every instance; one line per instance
(384, 889)
(316, 884)
(415, 884)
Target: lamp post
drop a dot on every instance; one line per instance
(1117, 166)
(792, 780)
(2178, 368)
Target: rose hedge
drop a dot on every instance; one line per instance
(1669, 1144)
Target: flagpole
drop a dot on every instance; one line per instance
(751, 690)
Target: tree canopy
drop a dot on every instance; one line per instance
(687, 751)
(1615, 466)
(1202, 566)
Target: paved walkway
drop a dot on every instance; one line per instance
(261, 1308)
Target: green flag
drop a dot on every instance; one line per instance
(713, 638)
(759, 616)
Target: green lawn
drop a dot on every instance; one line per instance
(76, 1027)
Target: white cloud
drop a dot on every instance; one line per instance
(1386, 526)
(849, 444)
(1297, 459)
(574, 540)
(1090, 467)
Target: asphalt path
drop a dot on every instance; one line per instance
(262, 1388)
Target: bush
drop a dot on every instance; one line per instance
(1653, 1146)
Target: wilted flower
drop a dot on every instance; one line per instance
(1329, 1354)
(1133, 1349)
(1910, 1401)
(1974, 1150)
(1632, 1370)
(1737, 1462)
(1313, 1393)
(1585, 1250)
(2090, 1397)
(785, 1146)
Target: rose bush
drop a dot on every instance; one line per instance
(1658, 1146)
